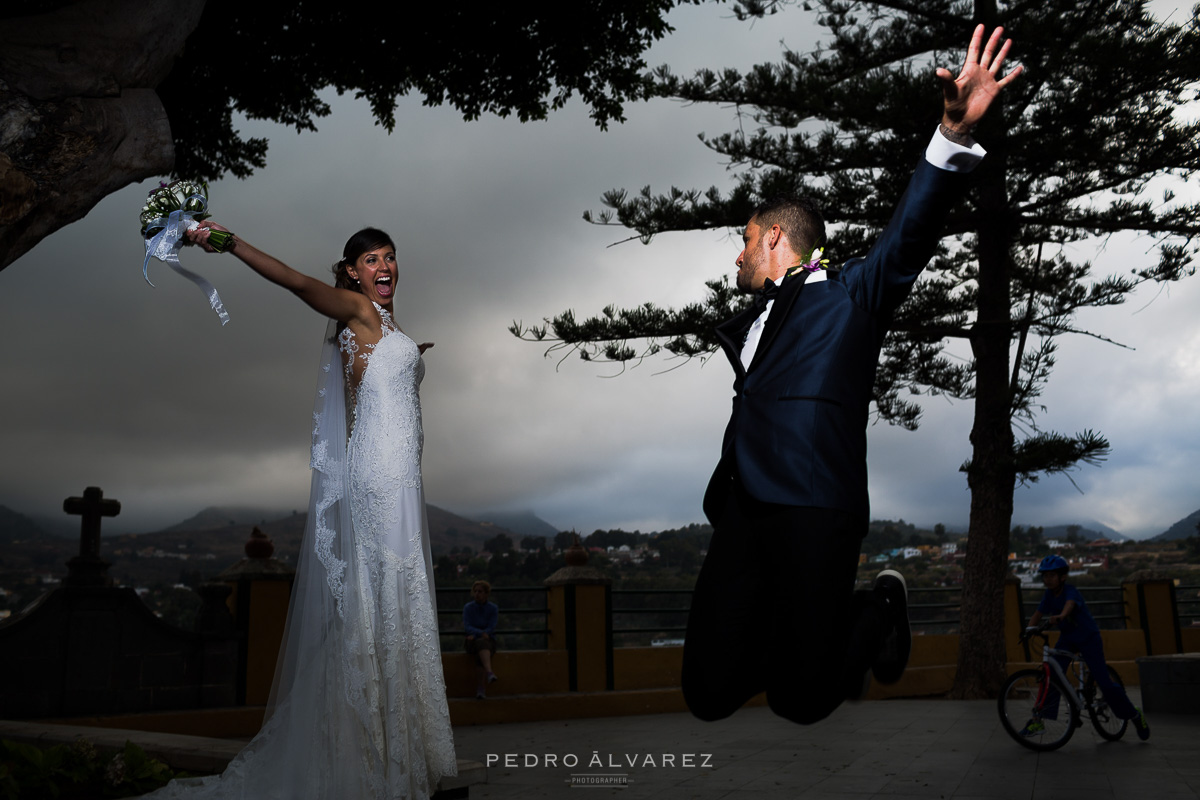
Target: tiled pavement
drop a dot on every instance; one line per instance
(887, 750)
(892, 749)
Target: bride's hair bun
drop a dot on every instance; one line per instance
(342, 279)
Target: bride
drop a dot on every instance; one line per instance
(358, 707)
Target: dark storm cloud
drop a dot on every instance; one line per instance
(141, 391)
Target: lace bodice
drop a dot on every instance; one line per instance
(386, 439)
(355, 358)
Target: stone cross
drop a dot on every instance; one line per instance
(87, 568)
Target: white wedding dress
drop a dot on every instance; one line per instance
(358, 708)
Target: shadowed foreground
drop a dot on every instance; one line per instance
(888, 749)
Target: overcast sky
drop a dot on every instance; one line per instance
(109, 382)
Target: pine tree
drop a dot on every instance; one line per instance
(1077, 152)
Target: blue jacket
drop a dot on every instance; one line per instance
(797, 434)
(1076, 628)
(480, 618)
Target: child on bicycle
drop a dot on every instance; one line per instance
(1063, 605)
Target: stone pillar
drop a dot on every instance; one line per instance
(1150, 607)
(580, 621)
(261, 589)
(1015, 617)
(221, 669)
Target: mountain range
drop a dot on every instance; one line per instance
(1181, 530)
(210, 530)
(447, 529)
(524, 523)
(18, 527)
(1090, 530)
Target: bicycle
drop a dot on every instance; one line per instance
(1030, 703)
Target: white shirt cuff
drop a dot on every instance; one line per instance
(945, 154)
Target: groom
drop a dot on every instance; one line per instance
(774, 607)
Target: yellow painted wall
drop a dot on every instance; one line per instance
(268, 615)
(930, 668)
(646, 667)
(592, 669)
(934, 650)
(520, 672)
(1161, 624)
(1123, 645)
(556, 618)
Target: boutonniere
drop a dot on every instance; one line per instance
(812, 262)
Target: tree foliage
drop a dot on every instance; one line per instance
(1084, 147)
(272, 62)
(499, 544)
(533, 543)
(844, 125)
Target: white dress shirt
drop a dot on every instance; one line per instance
(941, 153)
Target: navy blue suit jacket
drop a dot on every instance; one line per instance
(797, 435)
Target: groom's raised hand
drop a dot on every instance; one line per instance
(970, 95)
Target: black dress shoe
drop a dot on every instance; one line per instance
(891, 597)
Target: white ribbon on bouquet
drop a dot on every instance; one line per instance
(165, 245)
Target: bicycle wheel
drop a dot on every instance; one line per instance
(1106, 723)
(1022, 703)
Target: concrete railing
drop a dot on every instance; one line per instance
(580, 655)
(581, 673)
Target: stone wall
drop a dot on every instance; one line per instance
(100, 650)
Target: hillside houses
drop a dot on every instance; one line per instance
(948, 551)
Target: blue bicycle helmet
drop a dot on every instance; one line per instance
(1051, 563)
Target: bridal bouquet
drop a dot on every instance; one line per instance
(190, 198)
(170, 210)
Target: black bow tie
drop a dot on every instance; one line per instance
(765, 295)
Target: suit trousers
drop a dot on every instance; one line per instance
(774, 610)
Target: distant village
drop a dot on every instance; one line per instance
(1093, 559)
(165, 567)
(930, 557)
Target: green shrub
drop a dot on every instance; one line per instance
(78, 772)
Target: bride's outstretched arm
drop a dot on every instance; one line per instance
(340, 304)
